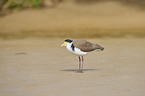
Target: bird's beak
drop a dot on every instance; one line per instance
(64, 44)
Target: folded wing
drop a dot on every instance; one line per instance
(86, 46)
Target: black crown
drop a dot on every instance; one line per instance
(68, 40)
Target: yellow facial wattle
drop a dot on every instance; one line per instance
(64, 44)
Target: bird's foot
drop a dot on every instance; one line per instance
(80, 71)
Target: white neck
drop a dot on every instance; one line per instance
(69, 46)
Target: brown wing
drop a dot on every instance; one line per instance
(86, 46)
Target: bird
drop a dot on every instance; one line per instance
(81, 48)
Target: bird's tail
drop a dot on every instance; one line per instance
(102, 48)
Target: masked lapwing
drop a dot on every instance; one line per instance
(81, 48)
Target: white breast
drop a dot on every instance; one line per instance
(76, 50)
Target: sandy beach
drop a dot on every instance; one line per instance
(40, 67)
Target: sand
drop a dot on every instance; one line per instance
(40, 67)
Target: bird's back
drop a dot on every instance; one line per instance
(86, 46)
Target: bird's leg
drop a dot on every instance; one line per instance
(82, 64)
(79, 63)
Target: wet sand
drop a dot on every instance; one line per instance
(40, 67)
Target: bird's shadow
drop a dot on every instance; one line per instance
(78, 70)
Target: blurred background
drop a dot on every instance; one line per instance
(72, 18)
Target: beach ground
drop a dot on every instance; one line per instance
(40, 67)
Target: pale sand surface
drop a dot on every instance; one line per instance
(40, 67)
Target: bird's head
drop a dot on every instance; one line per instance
(66, 42)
